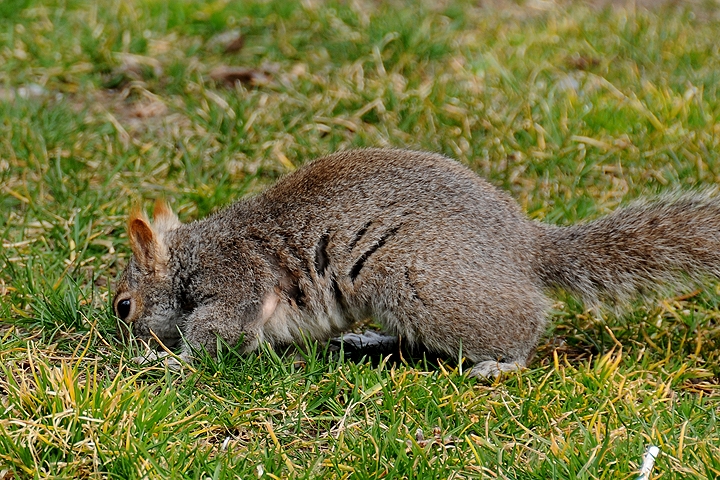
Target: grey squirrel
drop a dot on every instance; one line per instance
(418, 241)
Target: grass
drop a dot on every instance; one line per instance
(574, 110)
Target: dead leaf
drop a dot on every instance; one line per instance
(236, 45)
(231, 41)
(229, 76)
(582, 62)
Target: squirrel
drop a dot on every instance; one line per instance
(430, 250)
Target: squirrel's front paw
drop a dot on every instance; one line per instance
(152, 356)
(491, 369)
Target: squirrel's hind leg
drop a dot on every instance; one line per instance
(492, 368)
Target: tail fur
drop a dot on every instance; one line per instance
(648, 246)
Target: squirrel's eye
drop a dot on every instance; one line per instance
(123, 309)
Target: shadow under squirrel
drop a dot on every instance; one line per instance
(433, 252)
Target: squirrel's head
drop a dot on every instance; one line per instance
(144, 300)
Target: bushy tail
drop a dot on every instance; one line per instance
(648, 246)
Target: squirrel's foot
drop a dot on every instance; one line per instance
(152, 356)
(492, 369)
(369, 340)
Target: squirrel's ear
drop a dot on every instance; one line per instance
(145, 243)
(164, 219)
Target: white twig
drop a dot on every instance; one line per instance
(648, 462)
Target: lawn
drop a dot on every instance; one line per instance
(575, 110)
